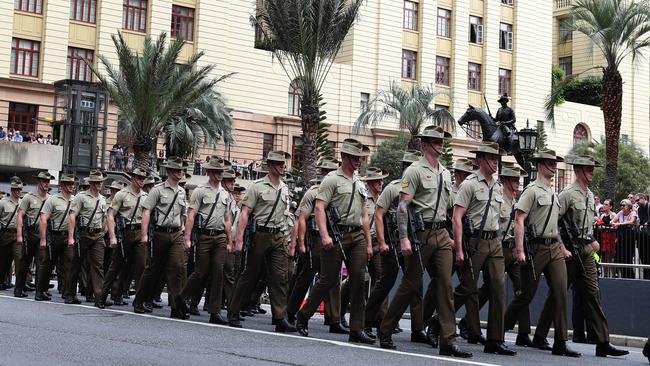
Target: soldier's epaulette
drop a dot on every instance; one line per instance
(396, 181)
(258, 180)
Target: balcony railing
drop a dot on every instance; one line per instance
(562, 4)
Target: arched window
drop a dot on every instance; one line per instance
(295, 98)
(580, 134)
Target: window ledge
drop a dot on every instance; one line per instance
(476, 44)
(186, 41)
(24, 77)
(36, 15)
(443, 37)
(504, 50)
(81, 22)
(141, 33)
(407, 30)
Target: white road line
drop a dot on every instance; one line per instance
(337, 343)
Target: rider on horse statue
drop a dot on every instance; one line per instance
(505, 116)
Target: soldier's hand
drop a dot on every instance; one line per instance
(369, 252)
(302, 249)
(144, 238)
(460, 257)
(112, 243)
(187, 245)
(43, 243)
(596, 246)
(567, 254)
(239, 245)
(383, 247)
(520, 257)
(327, 241)
(19, 240)
(292, 252)
(71, 243)
(229, 247)
(405, 245)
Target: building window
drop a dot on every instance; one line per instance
(566, 64)
(474, 76)
(22, 117)
(410, 15)
(505, 80)
(267, 145)
(560, 182)
(296, 151)
(474, 130)
(363, 102)
(134, 16)
(79, 61)
(566, 31)
(83, 10)
(30, 6)
(580, 134)
(409, 64)
(444, 23)
(475, 29)
(24, 57)
(505, 37)
(295, 98)
(507, 2)
(440, 106)
(442, 70)
(182, 23)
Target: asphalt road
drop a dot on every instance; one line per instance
(52, 333)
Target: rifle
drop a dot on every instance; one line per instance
(26, 226)
(571, 236)
(119, 232)
(194, 236)
(78, 227)
(415, 225)
(391, 235)
(312, 229)
(468, 232)
(48, 237)
(529, 236)
(333, 216)
(249, 233)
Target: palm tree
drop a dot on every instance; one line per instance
(305, 36)
(151, 91)
(619, 28)
(411, 108)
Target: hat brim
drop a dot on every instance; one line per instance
(378, 177)
(208, 167)
(137, 174)
(359, 154)
(49, 178)
(558, 159)
(445, 136)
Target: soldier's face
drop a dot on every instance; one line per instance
(376, 185)
(67, 187)
(488, 162)
(547, 168)
(44, 184)
(278, 168)
(15, 192)
(587, 173)
(174, 174)
(96, 185)
(229, 184)
(512, 184)
(459, 176)
(237, 196)
(138, 181)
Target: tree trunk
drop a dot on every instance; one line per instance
(309, 122)
(612, 104)
(142, 147)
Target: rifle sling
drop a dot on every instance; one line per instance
(354, 189)
(169, 210)
(64, 215)
(212, 209)
(137, 205)
(485, 213)
(275, 204)
(92, 215)
(548, 216)
(11, 218)
(435, 211)
(512, 217)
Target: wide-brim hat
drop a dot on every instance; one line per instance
(277, 156)
(149, 180)
(503, 98)
(96, 176)
(239, 188)
(45, 175)
(262, 168)
(546, 154)
(411, 156)
(228, 174)
(464, 165)
(373, 174)
(434, 132)
(353, 147)
(116, 185)
(84, 182)
(512, 171)
(215, 163)
(584, 160)
(16, 185)
(174, 162)
(317, 180)
(487, 147)
(139, 172)
(67, 178)
(328, 164)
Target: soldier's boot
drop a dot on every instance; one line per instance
(18, 292)
(337, 328)
(541, 343)
(176, 314)
(433, 331)
(233, 321)
(359, 336)
(72, 300)
(420, 336)
(646, 349)
(302, 324)
(370, 333)
(523, 340)
(283, 326)
(605, 349)
(194, 310)
(41, 296)
(475, 339)
(138, 308)
(385, 340)
(462, 329)
(560, 348)
(218, 319)
(454, 351)
(498, 348)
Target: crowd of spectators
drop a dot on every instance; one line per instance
(16, 136)
(120, 159)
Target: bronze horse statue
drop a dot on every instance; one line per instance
(503, 133)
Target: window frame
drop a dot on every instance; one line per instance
(473, 76)
(29, 123)
(442, 67)
(506, 37)
(295, 99)
(87, 9)
(80, 62)
(565, 32)
(505, 80)
(566, 66)
(177, 19)
(364, 102)
(267, 144)
(29, 6)
(16, 49)
(508, 2)
(141, 9)
(296, 154)
(409, 64)
(443, 27)
(476, 27)
(410, 20)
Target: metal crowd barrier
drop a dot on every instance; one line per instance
(624, 251)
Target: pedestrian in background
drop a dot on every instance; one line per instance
(624, 223)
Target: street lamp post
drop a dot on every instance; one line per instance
(527, 144)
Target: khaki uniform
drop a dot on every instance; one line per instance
(474, 196)
(389, 270)
(338, 190)
(8, 248)
(537, 201)
(211, 244)
(306, 272)
(91, 242)
(167, 244)
(579, 207)
(424, 184)
(31, 204)
(233, 261)
(58, 253)
(269, 248)
(132, 256)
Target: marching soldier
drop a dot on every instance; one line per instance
(126, 206)
(209, 210)
(267, 199)
(539, 207)
(343, 191)
(231, 265)
(578, 206)
(8, 214)
(480, 198)
(54, 223)
(27, 228)
(390, 260)
(166, 206)
(89, 207)
(426, 185)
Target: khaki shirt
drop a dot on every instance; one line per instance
(371, 206)
(336, 190)
(8, 211)
(235, 211)
(389, 197)
(536, 202)
(421, 182)
(32, 204)
(204, 198)
(126, 201)
(308, 200)
(84, 204)
(58, 210)
(580, 207)
(473, 195)
(160, 198)
(261, 196)
(507, 207)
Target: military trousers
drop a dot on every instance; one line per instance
(8, 253)
(90, 250)
(166, 261)
(487, 254)
(304, 279)
(585, 283)
(374, 271)
(267, 252)
(58, 254)
(379, 294)
(230, 268)
(28, 254)
(548, 259)
(354, 244)
(133, 255)
(435, 252)
(210, 259)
